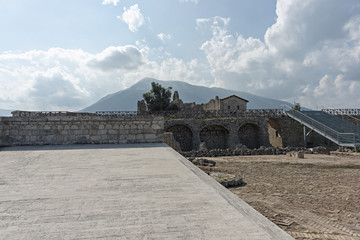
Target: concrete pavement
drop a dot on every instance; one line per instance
(142, 191)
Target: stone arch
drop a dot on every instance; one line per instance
(183, 135)
(214, 136)
(249, 135)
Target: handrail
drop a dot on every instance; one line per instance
(344, 112)
(199, 114)
(19, 113)
(117, 113)
(326, 130)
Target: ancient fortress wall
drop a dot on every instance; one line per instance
(285, 131)
(34, 128)
(182, 133)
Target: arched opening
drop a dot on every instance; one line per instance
(183, 135)
(249, 135)
(214, 136)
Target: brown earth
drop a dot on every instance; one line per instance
(317, 197)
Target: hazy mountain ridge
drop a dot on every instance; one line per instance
(126, 100)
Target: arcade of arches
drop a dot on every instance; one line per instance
(216, 136)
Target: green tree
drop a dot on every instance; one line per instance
(297, 107)
(158, 98)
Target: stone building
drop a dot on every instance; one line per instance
(231, 103)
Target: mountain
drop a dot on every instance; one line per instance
(126, 100)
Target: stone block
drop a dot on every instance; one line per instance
(102, 132)
(64, 132)
(95, 138)
(104, 138)
(14, 132)
(19, 138)
(86, 131)
(74, 127)
(139, 136)
(50, 139)
(297, 154)
(30, 127)
(130, 137)
(24, 132)
(112, 132)
(155, 127)
(150, 136)
(78, 132)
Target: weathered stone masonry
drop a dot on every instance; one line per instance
(187, 132)
(218, 132)
(223, 132)
(34, 128)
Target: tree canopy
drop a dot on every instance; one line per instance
(297, 107)
(158, 98)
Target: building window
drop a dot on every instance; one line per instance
(228, 107)
(277, 133)
(238, 107)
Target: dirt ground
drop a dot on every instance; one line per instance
(317, 197)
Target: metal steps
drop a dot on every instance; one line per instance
(335, 129)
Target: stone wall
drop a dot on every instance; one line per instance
(212, 105)
(31, 128)
(188, 132)
(169, 139)
(285, 131)
(219, 132)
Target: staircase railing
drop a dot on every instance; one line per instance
(342, 139)
(345, 112)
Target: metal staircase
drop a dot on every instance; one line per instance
(335, 129)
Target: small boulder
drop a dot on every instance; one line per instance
(297, 154)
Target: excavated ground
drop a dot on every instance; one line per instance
(317, 197)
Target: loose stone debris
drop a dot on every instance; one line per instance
(226, 179)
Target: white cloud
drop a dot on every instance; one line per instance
(42, 80)
(132, 17)
(118, 58)
(193, 1)
(163, 37)
(217, 24)
(114, 2)
(63, 79)
(353, 28)
(310, 55)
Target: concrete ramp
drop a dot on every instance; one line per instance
(144, 191)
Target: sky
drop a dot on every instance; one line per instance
(66, 55)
